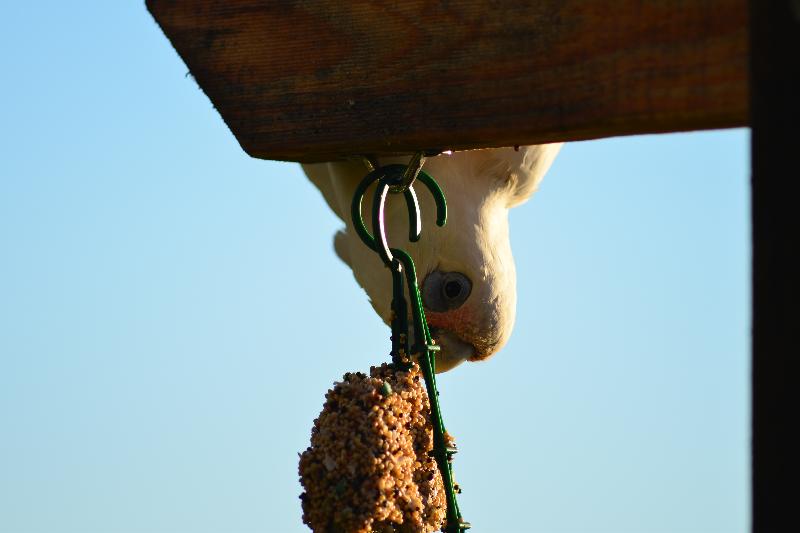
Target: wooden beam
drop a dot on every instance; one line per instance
(776, 249)
(321, 80)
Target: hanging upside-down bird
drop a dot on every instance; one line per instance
(465, 269)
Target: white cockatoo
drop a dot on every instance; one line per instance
(465, 269)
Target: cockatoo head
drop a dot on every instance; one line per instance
(465, 269)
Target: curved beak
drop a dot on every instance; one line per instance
(454, 351)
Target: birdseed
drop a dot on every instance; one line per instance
(369, 468)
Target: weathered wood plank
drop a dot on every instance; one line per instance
(313, 81)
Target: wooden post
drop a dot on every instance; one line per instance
(775, 119)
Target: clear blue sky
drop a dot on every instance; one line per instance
(172, 313)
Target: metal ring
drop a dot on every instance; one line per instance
(411, 172)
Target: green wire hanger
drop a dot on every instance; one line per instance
(397, 179)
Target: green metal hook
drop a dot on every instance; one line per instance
(397, 179)
(388, 178)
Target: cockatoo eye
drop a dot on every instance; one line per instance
(445, 291)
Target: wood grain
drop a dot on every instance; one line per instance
(315, 81)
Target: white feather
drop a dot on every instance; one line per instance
(480, 186)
